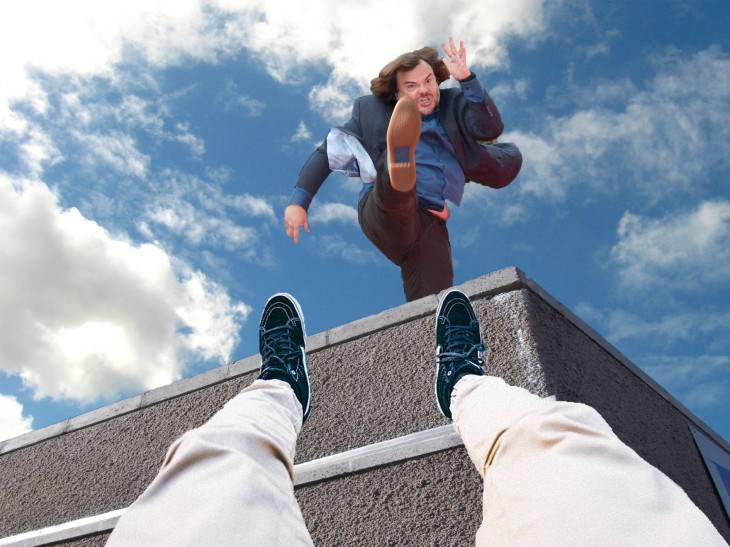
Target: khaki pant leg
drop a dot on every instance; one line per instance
(228, 482)
(556, 474)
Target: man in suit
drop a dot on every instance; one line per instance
(414, 146)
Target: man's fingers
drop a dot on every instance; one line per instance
(455, 57)
(292, 230)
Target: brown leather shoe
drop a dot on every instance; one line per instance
(404, 131)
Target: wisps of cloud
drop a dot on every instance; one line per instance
(202, 214)
(234, 101)
(700, 381)
(685, 351)
(302, 133)
(335, 246)
(690, 250)
(668, 330)
(324, 213)
(89, 314)
(673, 131)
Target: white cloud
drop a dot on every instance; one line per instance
(234, 101)
(12, 420)
(194, 144)
(325, 213)
(502, 205)
(88, 314)
(84, 37)
(685, 251)
(37, 149)
(87, 37)
(707, 394)
(653, 142)
(253, 107)
(676, 327)
(302, 134)
(336, 246)
(503, 91)
(180, 219)
(98, 126)
(677, 370)
(253, 206)
(484, 26)
(114, 150)
(662, 346)
(202, 214)
(197, 226)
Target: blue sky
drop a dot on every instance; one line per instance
(148, 148)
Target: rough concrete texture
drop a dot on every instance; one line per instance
(99, 468)
(369, 389)
(434, 500)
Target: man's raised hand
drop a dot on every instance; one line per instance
(455, 59)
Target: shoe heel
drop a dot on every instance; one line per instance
(404, 131)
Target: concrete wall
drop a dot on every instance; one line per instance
(101, 461)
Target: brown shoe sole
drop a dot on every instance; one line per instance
(404, 131)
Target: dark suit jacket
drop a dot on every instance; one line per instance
(465, 122)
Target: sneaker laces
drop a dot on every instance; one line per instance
(279, 345)
(460, 346)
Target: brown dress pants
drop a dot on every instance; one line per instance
(412, 238)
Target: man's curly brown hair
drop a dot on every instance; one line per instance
(386, 85)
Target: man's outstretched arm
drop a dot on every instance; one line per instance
(313, 174)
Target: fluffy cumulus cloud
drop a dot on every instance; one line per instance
(484, 26)
(12, 420)
(684, 251)
(87, 313)
(82, 37)
(86, 37)
(672, 130)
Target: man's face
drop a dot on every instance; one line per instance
(420, 85)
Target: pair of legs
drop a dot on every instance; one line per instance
(392, 219)
(409, 236)
(554, 472)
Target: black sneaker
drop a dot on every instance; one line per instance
(282, 346)
(459, 346)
